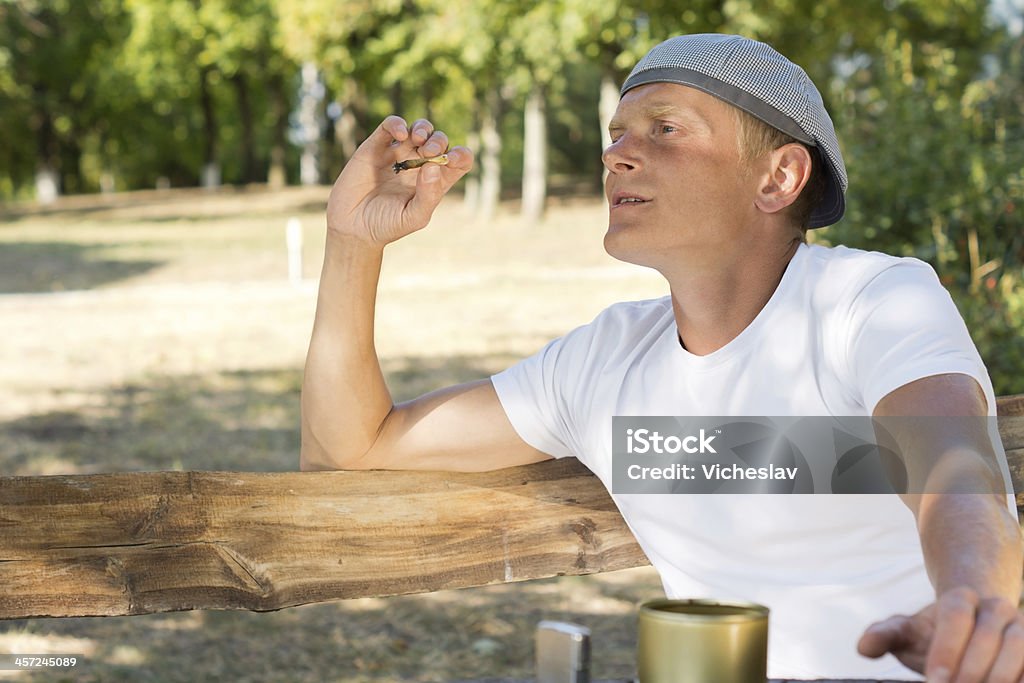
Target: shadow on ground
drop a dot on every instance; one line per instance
(240, 421)
(225, 421)
(59, 266)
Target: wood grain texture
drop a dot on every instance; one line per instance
(135, 543)
(142, 542)
(1010, 405)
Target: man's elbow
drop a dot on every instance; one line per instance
(315, 458)
(314, 455)
(312, 462)
(307, 465)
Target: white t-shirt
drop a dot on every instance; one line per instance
(844, 328)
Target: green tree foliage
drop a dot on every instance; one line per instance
(213, 72)
(937, 171)
(926, 95)
(343, 39)
(54, 96)
(112, 92)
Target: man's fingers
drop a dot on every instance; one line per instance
(429, 190)
(954, 622)
(460, 160)
(420, 131)
(884, 636)
(432, 182)
(391, 129)
(1009, 665)
(983, 647)
(436, 144)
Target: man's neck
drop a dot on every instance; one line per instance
(713, 306)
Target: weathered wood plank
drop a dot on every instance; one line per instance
(134, 543)
(1010, 405)
(1011, 430)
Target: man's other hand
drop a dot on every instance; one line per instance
(960, 638)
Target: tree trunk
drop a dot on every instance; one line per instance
(359, 104)
(428, 101)
(351, 127)
(210, 175)
(309, 122)
(47, 176)
(70, 150)
(248, 151)
(606, 109)
(490, 156)
(345, 132)
(535, 157)
(276, 174)
(397, 98)
(471, 196)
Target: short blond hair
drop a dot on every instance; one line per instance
(756, 138)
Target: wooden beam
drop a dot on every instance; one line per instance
(142, 542)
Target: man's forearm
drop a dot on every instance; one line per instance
(344, 397)
(971, 539)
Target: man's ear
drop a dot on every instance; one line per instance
(788, 171)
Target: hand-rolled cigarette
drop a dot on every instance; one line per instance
(416, 163)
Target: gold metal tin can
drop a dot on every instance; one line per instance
(702, 641)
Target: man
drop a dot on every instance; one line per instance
(722, 155)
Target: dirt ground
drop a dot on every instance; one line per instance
(160, 331)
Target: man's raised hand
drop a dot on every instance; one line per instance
(372, 203)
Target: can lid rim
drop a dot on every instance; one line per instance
(745, 611)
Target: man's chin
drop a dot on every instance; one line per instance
(618, 245)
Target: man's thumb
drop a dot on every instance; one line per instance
(429, 190)
(883, 636)
(430, 173)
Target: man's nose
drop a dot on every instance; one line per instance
(620, 156)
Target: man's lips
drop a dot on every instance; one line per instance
(622, 199)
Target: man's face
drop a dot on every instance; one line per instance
(676, 187)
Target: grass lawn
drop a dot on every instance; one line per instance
(158, 330)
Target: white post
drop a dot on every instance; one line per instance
(47, 185)
(293, 239)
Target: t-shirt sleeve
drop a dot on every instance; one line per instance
(903, 326)
(531, 392)
(561, 397)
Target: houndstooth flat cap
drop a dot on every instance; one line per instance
(756, 78)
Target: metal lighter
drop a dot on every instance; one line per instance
(563, 653)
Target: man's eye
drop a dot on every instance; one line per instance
(667, 128)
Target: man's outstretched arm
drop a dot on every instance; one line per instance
(349, 420)
(972, 545)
